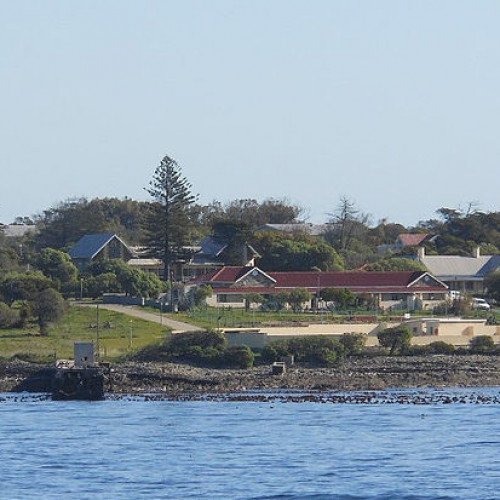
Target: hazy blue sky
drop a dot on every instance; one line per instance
(394, 104)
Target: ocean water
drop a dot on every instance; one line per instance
(141, 449)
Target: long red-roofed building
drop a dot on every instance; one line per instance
(390, 290)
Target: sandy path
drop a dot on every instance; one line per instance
(176, 326)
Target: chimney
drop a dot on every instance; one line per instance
(421, 253)
(244, 254)
(476, 253)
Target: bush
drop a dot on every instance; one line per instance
(239, 357)
(418, 350)
(322, 350)
(48, 306)
(201, 294)
(397, 339)
(207, 348)
(316, 349)
(440, 347)
(297, 297)
(274, 351)
(443, 308)
(353, 343)
(274, 302)
(483, 344)
(209, 356)
(181, 345)
(8, 316)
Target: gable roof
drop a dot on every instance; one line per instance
(411, 240)
(490, 267)
(459, 266)
(354, 280)
(256, 271)
(211, 246)
(346, 279)
(89, 245)
(211, 252)
(227, 274)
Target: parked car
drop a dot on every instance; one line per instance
(480, 304)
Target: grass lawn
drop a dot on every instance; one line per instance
(116, 331)
(212, 317)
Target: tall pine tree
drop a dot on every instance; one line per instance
(167, 221)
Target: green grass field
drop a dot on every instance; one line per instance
(229, 318)
(119, 335)
(212, 317)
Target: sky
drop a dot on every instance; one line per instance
(393, 104)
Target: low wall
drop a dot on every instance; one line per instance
(259, 338)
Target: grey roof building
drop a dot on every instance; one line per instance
(466, 274)
(99, 246)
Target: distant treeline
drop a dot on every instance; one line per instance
(350, 241)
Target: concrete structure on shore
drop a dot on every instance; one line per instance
(454, 331)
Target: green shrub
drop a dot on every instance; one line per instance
(314, 349)
(483, 344)
(181, 344)
(418, 350)
(397, 339)
(209, 356)
(239, 357)
(207, 349)
(317, 349)
(8, 317)
(353, 343)
(201, 294)
(274, 351)
(440, 347)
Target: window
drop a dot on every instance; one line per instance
(229, 298)
(393, 296)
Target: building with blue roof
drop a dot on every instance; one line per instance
(91, 247)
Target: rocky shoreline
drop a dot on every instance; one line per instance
(354, 374)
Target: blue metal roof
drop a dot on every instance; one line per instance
(491, 266)
(212, 247)
(90, 245)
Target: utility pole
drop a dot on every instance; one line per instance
(97, 334)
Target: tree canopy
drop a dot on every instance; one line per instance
(168, 220)
(58, 266)
(117, 276)
(63, 225)
(295, 253)
(395, 264)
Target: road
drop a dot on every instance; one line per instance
(176, 326)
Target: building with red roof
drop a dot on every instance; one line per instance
(405, 241)
(389, 290)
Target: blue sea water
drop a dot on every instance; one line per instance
(140, 449)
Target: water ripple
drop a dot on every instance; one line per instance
(218, 449)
